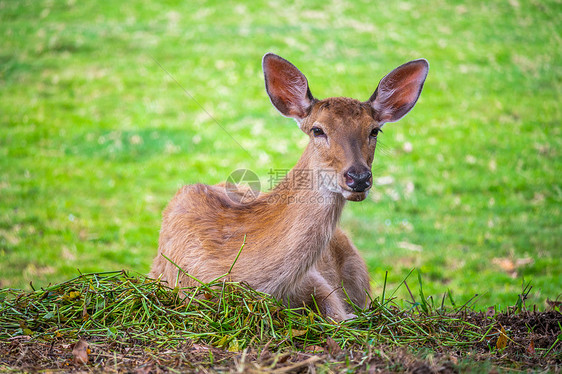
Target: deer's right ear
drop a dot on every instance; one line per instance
(287, 87)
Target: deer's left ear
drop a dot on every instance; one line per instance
(398, 92)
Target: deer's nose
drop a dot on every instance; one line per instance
(358, 180)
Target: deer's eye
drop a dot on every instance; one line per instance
(317, 131)
(375, 132)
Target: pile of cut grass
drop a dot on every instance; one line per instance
(131, 321)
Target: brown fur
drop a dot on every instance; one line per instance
(293, 249)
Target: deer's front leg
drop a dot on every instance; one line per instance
(328, 299)
(351, 268)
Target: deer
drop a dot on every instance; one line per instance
(287, 242)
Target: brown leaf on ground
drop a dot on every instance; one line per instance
(332, 347)
(531, 348)
(80, 352)
(502, 339)
(510, 265)
(314, 349)
(85, 314)
(296, 333)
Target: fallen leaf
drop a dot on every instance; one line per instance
(80, 352)
(332, 346)
(298, 332)
(505, 264)
(282, 358)
(72, 295)
(531, 348)
(510, 265)
(222, 341)
(502, 339)
(314, 349)
(234, 346)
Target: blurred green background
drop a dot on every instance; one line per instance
(95, 137)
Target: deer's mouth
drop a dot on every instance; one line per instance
(351, 195)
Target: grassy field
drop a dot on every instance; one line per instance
(96, 135)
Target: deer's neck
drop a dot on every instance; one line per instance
(303, 195)
(309, 214)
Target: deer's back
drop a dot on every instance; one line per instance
(203, 231)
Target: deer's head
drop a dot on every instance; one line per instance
(343, 132)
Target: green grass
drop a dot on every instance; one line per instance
(95, 137)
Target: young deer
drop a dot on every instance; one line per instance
(294, 249)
